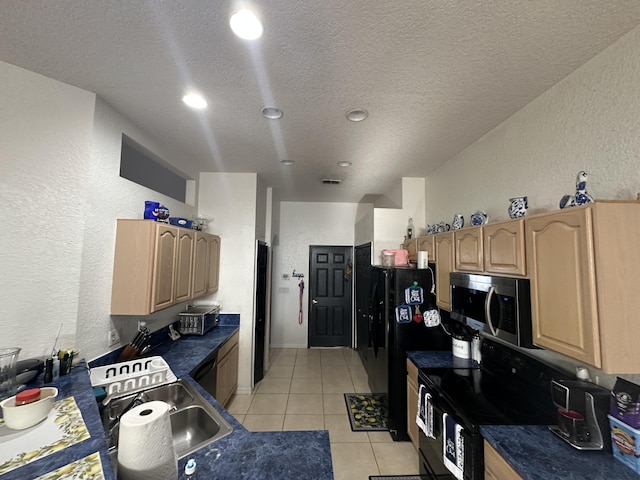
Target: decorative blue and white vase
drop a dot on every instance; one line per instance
(518, 207)
(458, 222)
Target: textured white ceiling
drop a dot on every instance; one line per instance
(434, 75)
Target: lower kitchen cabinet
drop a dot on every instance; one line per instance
(412, 402)
(227, 371)
(496, 467)
(583, 263)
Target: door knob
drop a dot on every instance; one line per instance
(314, 301)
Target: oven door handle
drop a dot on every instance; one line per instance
(487, 310)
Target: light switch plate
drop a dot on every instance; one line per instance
(113, 338)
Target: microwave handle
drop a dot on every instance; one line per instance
(487, 310)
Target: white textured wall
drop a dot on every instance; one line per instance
(111, 197)
(45, 134)
(589, 121)
(301, 225)
(230, 198)
(390, 224)
(60, 186)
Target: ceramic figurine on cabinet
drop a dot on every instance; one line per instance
(458, 222)
(518, 207)
(581, 197)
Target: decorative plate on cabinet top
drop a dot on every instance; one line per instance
(479, 217)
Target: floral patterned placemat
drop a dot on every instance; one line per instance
(87, 468)
(62, 428)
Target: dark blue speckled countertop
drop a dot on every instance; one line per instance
(440, 359)
(537, 454)
(532, 450)
(240, 455)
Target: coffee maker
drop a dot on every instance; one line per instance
(582, 414)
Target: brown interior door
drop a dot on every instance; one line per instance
(330, 310)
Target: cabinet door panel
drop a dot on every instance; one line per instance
(496, 467)
(425, 244)
(504, 250)
(445, 264)
(411, 246)
(213, 264)
(563, 293)
(184, 264)
(163, 285)
(468, 244)
(201, 251)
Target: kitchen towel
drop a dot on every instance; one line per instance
(145, 444)
(452, 446)
(424, 418)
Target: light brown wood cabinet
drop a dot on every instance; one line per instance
(213, 263)
(183, 269)
(201, 253)
(582, 264)
(496, 467)
(445, 264)
(154, 266)
(227, 370)
(425, 244)
(469, 252)
(411, 246)
(412, 402)
(504, 250)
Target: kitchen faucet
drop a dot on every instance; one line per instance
(139, 399)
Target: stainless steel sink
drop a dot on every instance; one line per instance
(194, 422)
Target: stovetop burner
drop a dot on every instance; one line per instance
(509, 389)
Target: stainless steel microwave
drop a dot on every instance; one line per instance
(497, 306)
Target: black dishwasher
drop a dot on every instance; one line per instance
(206, 373)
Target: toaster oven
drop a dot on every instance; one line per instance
(198, 319)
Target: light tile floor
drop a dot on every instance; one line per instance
(304, 390)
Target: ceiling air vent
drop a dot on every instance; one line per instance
(331, 181)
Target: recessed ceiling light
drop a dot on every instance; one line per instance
(287, 162)
(195, 101)
(344, 163)
(272, 113)
(357, 115)
(245, 24)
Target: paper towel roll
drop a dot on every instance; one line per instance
(145, 444)
(423, 259)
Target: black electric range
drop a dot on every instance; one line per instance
(509, 388)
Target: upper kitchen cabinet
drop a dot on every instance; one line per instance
(425, 244)
(504, 251)
(468, 248)
(582, 264)
(154, 266)
(206, 264)
(445, 264)
(411, 246)
(213, 263)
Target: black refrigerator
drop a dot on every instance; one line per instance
(391, 335)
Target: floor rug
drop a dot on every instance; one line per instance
(367, 411)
